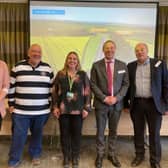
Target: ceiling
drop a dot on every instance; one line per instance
(161, 2)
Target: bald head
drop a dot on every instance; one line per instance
(34, 46)
(141, 51)
(35, 54)
(142, 45)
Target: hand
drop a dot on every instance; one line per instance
(56, 112)
(126, 110)
(166, 113)
(84, 114)
(113, 99)
(110, 100)
(107, 100)
(11, 109)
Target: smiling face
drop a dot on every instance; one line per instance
(141, 51)
(34, 54)
(109, 49)
(72, 61)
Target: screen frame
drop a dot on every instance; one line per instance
(96, 1)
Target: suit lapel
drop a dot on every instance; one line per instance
(103, 69)
(115, 72)
(134, 67)
(152, 64)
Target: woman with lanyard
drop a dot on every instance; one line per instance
(71, 104)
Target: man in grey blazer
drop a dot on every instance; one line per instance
(108, 100)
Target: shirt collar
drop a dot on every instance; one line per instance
(145, 63)
(27, 61)
(112, 60)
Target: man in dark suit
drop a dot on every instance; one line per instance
(109, 88)
(147, 98)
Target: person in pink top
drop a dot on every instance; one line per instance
(4, 86)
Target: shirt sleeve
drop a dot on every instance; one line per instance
(87, 94)
(51, 86)
(11, 94)
(5, 81)
(5, 86)
(55, 90)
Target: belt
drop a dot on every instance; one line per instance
(143, 98)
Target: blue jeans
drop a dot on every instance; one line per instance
(20, 126)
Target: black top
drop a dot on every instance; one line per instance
(73, 98)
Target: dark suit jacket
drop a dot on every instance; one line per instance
(159, 84)
(99, 83)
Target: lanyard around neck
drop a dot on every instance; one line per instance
(71, 81)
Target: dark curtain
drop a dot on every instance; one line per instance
(162, 38)
(14, 32)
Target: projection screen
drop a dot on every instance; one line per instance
(60, 27)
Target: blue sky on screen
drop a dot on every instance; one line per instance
(133, 16)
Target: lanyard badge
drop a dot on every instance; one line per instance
(70, 94)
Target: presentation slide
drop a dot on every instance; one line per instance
(61, 27)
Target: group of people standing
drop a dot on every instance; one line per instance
(140, 87)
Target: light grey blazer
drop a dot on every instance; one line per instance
(99, 83)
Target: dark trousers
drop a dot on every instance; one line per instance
(145, 110)
(20, 126)
(103, 116)
(70, 132)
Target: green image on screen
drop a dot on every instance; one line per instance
(83, 27)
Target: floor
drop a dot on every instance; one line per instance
(52, 157)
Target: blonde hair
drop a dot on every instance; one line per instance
(65, 68)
